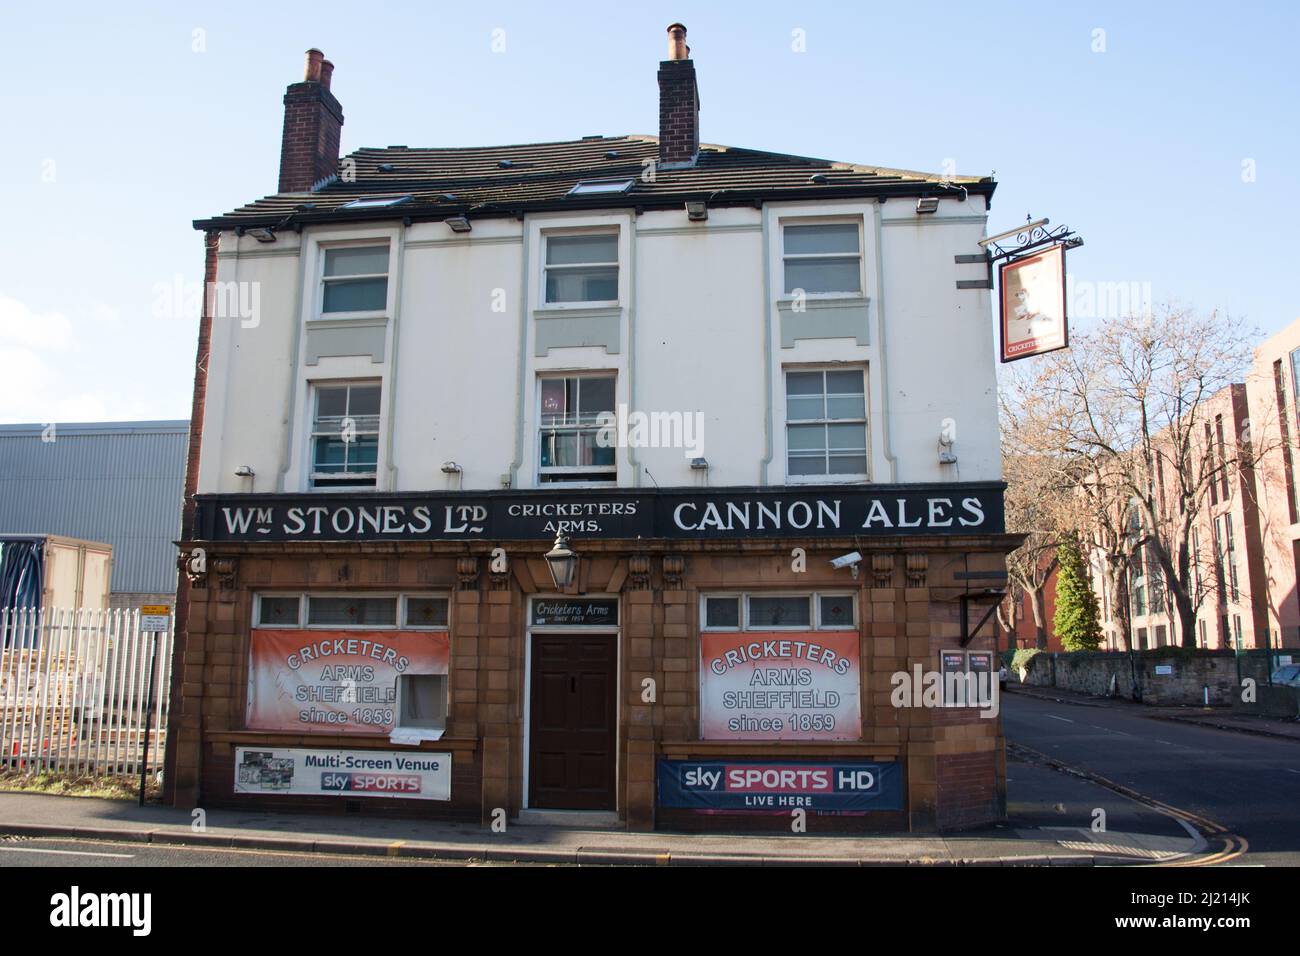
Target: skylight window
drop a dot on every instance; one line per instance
(596, 187)
(377, 202)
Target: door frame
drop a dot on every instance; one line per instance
(614, 632)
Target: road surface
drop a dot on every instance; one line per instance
(1247, 783)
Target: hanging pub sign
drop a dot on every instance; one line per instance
(1032, 294)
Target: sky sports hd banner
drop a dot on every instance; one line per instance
(343, 773)
(844, 786)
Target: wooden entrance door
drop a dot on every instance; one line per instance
(572, 722)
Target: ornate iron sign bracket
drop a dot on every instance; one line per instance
(1031, 236)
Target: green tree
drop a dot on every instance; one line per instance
(1076, 606)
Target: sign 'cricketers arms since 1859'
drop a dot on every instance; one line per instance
(822, 511)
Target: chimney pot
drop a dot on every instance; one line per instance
(677, 48)
(313, 122)
(314, 59)
(679, 102)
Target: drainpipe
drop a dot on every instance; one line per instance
(882, 372)
(768, 305)
(291, 396)
(400, 258)
(203, 351)
(631, 342)
(521, 356)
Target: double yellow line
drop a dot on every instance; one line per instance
(1233, 845)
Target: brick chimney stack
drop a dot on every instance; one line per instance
(679, 102)
(313, 122)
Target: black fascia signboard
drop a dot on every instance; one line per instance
(574, 612)
(821, 511)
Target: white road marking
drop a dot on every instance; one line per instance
(1066, 719)
(1289, 770)
(33, 849)
(1109, 730)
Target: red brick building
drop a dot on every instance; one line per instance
(388, 455)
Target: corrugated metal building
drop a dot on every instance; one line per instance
(115, 482)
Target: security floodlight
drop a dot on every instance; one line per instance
(459, 224)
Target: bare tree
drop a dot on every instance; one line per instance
(1008, 611)
(1036, 497)
(1130, 412)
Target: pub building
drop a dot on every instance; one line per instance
(623, 481)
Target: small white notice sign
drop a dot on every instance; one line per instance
(155, 617)
(1164, 668)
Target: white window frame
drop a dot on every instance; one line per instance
(256, 609)
(602, 187)
(853, 609)
(825, 479)
(814, 620)
(824, 221)
(576, 470)
(323, 280)
(344, 595)
(314, 387)
(376, 202)
(740, 611)
(406, 596)
(548, 235)
(401, 597)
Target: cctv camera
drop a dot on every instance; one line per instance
(846, 560)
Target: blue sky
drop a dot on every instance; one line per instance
(1174, 150)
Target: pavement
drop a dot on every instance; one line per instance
(1049, 824)
(1081, 792)
(1220, 718)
